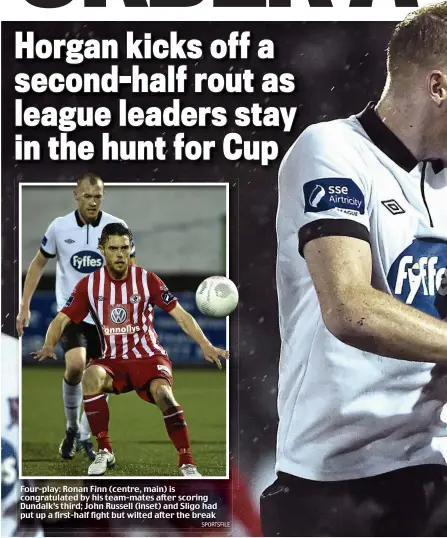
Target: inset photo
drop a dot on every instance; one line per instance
(123, 314)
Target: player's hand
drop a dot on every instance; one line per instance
(214, 354)
(22, 320)
(46, 351)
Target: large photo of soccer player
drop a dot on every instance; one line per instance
(362, 263)
(106, 323)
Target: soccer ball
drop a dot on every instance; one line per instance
(217, 296)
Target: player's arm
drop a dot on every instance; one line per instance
(334, 239)
(34, 274)
(164, 299)
(363, 317)
(54, 332)
(75, 310)
(190, 326)
(32, 280)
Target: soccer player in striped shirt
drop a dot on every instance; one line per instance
(121, 300)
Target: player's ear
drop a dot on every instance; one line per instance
(101, 249)
(438, 87)
(444, 87)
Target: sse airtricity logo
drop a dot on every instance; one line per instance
(316, 196)
(418, 277)
(333, 193)
(86, 261)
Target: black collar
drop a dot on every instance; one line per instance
(94, 223)
(388, 142)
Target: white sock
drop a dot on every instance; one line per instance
(84, 427)
(72, 395)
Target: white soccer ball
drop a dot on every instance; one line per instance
(217, 296)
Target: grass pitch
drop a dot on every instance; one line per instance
(140, 442)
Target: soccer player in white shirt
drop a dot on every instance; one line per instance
(362, 289)
(73, 239)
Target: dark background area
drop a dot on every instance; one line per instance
(339, 68)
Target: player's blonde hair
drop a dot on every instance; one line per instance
(420, 40)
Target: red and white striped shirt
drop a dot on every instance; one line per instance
(123, 311)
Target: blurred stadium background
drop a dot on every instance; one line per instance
(339, 67)
(180, 234)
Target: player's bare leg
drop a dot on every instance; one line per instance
(75, 360)
(96, 382)
(176, 427)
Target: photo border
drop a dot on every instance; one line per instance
(226, 186)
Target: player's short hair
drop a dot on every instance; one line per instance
(420, 40)
(114, 228)
(92, 178)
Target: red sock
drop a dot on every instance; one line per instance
(97, 410)
(178, 433)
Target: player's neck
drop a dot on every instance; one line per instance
(402, 118)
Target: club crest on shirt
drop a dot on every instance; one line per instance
(135, 298)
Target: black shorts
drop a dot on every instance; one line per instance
(406, 502)
(82, 335)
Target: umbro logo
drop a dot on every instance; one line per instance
(69, 241)
(393, 207)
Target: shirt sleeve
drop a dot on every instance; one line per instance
(160, 295)
(321, 187)
(132, 243)
(77, 307)
(48, 245)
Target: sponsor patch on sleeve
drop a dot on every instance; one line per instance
(167, 297)
(44, 240)
(164, 368)
(333, 193)
(70, 300)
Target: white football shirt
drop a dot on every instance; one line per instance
(75, 245)
(345, 413)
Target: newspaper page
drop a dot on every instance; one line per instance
(224, 268)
